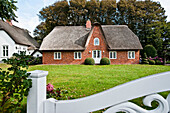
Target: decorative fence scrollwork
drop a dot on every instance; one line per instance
(130, 107)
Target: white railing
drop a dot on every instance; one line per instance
(115, 99)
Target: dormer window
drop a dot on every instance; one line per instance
(96, 41)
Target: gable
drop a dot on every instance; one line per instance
(96, 33)
(20, 36)
(5, 38)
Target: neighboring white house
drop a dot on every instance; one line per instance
(14, 40)
(36, 53)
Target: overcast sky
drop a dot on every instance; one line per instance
(28, 10)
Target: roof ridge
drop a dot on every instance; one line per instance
(114, 25)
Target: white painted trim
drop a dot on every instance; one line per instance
(89, 37)
(132, 52)
(77, 55)
(57, 56)
(97, 40)
(112, 54)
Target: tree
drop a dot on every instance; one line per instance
(77, 12)
(145, 18)
(51, 16)
(150, 51)
(108, 12)
(7, 10)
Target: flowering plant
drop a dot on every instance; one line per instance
(157, 60)
(56, 93)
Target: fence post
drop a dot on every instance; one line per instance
(37, 94)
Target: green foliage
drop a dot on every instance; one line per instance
(34, 60)
(89, 61)
(150, 51)
(145, 55)
(14, 83)
(58, 93)
(158, 62)
(167, 62)
(145, 61)
(105, 61)
(151, 62)
(7, 9)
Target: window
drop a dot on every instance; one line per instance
(57, 55)
(5, 51)
(77, 55)
(96, 41)
(131, 54)
(113, 55)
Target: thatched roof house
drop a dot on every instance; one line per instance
(79, 38)
(19, 35)
(14, 40)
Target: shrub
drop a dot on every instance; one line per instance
(145, 61)
(151, 62)
(158, 62)
(55, 93)
(145, 56)
(105, 61)
(14, 83)
(168, 62)
(89, 61)
(33, 60)
(150, 51)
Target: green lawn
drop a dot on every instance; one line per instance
(85, 80)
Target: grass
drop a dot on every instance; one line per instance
(85, 80)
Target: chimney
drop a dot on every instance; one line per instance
(88, 24)
(9, 22)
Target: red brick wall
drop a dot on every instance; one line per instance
(68, 56)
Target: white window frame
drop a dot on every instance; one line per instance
(131, 52)
(97, 43)
(6, 51)
(56, 56)
(112, 52)
(76, 55)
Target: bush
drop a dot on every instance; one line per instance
(33, 60)
(105, 61)
(150, 51)
(168, 62)
(14, 83)
(89, 61)
(157, 62)
(145, 61)
(56, 93)
(145, 56)
(151, 62)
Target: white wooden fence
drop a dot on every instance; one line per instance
(115, 99)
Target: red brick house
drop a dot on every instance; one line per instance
(73, 44)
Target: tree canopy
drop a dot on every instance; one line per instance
(146, 19)
(7, 9)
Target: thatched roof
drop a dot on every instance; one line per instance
(20, 36)
(65, 38)
(118, 37)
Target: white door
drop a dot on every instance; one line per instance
(96, 55)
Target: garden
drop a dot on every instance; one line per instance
(77, 81)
